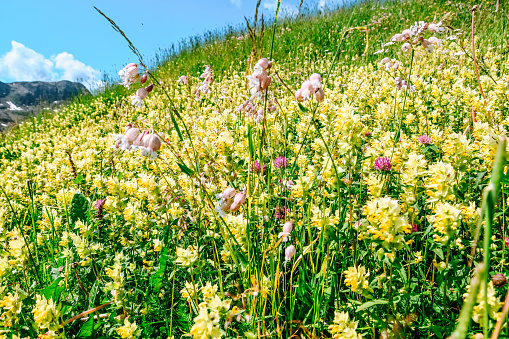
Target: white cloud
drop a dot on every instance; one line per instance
(24, 64)
(236, 2)
(74, 70)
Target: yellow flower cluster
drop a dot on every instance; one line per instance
(128, 330)
(445, 221)
(47, 313)
(494, 304)
(12, 307)
(357, 279)
(343, 328)
(211, 310)
(187, 257)
(386, 223)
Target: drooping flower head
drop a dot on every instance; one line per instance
(183, 79)
(141, 94)
(289, 253)
(287, 230)
(312, 86)
(152, 145)
(238, 200)
(260, 79)
(226, 200)
(205, 85)
(251, 110)
(125, 141)
(129, 74)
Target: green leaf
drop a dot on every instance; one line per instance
(371, 303)
(185, 169)
(250, 139)
(79, 207)
(53, 290)
(480, 175)
(79, 179)
(87, 330)
(439, 252)
(397, 135)
(176, 126)
(156, 280)
(93, 295)
(433, 148)
(302, 108)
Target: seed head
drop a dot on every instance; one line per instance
(499, 280)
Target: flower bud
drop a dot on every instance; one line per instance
(152, 142)
(143, 79)
(263, 63)
(228, 193)
(315, 77)
(142, 93)
(150, 88)
(298, 95)
(319, 95)
(117, 143)
(289, 252)
(288, 227)
(140, 140)
(406, 47)
(238, 201)
(131, 135)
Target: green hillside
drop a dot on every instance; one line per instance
(339, 174)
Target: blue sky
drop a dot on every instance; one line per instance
(68, 40)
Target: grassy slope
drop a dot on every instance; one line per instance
(34, 151)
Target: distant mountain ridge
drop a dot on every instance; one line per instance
(19, 100)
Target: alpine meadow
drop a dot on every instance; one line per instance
(327, 174)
